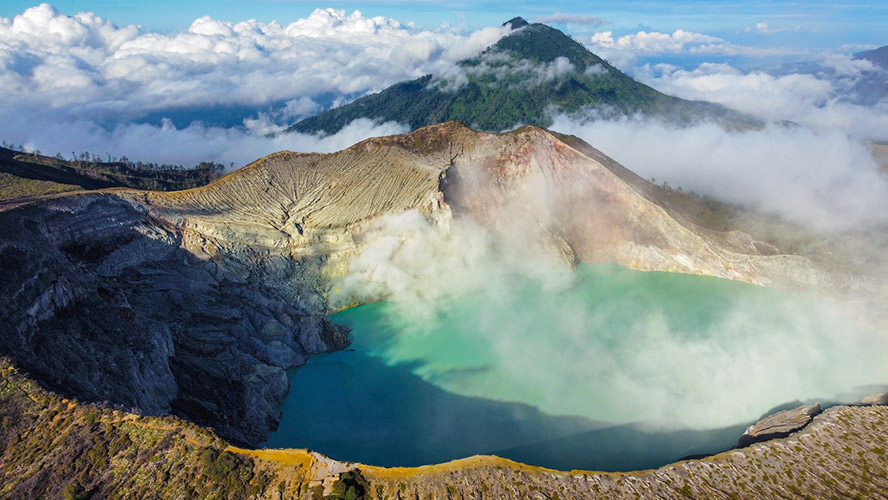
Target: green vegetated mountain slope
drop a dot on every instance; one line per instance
(31, 174)
(529, 75)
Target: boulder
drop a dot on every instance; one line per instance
(875, 400)
(779, 425)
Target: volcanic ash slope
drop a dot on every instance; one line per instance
(529, 187)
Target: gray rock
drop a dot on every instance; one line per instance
(779, 425)
(101, 303)
(279, 354)
(318, 334)
(875, 399)
(274, 330)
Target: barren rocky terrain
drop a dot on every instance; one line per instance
(54, 447)
(194, 303)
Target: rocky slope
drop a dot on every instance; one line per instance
(104, 303)
(195, 302)
(52, 448)
(530, 187)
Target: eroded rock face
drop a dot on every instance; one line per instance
(104, 303)
(534, 191)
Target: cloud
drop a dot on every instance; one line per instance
(90, 66)
(190, 145)
(497, 68)
(560, 17)
(595, 69)
(757, 92)
(815, 100)
(822, 179)
(657, 43)
(819, 171)
(624, 51)
(765, 29)
(69, 74)
(845, 65)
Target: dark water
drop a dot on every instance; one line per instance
(613, 370)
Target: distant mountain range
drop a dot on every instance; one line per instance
(879, 56)
(526, 78)
(872, 87)
(867, 88)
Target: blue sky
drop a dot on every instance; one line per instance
(814, 24)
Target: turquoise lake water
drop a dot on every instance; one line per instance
(611, 369)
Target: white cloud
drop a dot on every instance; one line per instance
(820, 178)
(190, 145)
(765, 29)
(595, 69)
(755, 92)
(89, 66)
(657, 43)
(66, 74)
(812, 100)
(846, 65)
(624, 51)
(496, 67)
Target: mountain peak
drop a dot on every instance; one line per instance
(542, 43)
(527, 77)
(516, 22)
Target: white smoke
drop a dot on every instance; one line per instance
(607, 347)
(822, 179)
